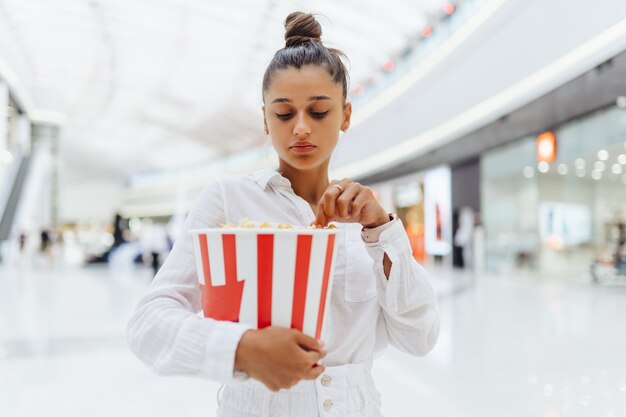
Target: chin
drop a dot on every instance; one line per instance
(304, 163)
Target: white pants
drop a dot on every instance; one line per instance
(346, 391)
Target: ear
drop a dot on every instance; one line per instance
(347, 114)
(267, 131)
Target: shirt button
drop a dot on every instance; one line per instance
(328, 404)
(325, 381)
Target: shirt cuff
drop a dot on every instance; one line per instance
(219, 360)
(392, 240)
(373, 235)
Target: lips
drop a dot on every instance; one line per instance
(303, 148)
(303, 145)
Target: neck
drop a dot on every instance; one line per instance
(309, 184)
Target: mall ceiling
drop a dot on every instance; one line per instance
(159, 84)
(593, 90)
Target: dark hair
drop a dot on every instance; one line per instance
(303, 46)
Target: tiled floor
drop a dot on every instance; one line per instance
(514, 346)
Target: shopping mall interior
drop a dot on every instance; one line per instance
(495, 130)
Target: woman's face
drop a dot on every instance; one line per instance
(304, 111)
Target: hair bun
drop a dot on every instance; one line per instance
(301, 28)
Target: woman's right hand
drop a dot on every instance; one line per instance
(279, 357)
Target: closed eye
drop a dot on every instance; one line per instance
(319, 115)
(315, 114)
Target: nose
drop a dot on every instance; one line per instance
(301, 127)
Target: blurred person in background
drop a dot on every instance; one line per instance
(381, 296)
(46, 243)
(155, 245)
(58, 246)
(464, 237)
(620, 250)
(120, 230)
(620, 258)
(479, 244)
(22, 243)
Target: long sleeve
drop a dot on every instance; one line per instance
(166, 332)
(408, 302)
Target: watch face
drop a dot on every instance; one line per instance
(240, 375)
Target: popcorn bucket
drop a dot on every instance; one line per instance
(266, 277)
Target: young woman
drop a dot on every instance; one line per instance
(380, 295)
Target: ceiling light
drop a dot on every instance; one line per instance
(548, 390)
(596, 175)
(616, 169)
(389, 66)
(449, 9)
(579, 163)
(546, 147)
(358, 90)
(621, 159)
(7, 157)
(562, 169)
(603, 154)
(529, 172)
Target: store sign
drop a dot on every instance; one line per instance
(546, 147)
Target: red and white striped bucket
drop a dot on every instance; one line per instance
(263, 277)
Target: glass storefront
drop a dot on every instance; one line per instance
(563, 217)
(422, 201)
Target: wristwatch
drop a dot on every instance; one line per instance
(240, 375)
(372, 235)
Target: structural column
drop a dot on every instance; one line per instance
(5, 157)
(21, 127)
(4, 110)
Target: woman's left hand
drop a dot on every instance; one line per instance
(347, 201)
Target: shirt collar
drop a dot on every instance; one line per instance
(267, 176)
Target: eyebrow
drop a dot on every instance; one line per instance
(288, 100)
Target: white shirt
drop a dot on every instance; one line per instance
(367, 310)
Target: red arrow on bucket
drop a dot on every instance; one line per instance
(222, 302)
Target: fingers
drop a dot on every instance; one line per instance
(315, 372)
(344, 201)
(337, 197)
(320, 216)
(312, 358)
(326, 206)
(359, 202)
(330, 197)
(286, 357)
(309, 343)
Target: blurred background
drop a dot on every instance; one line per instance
(496, 129)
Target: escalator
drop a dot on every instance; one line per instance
(8, 207)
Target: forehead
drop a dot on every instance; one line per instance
(302, 83)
